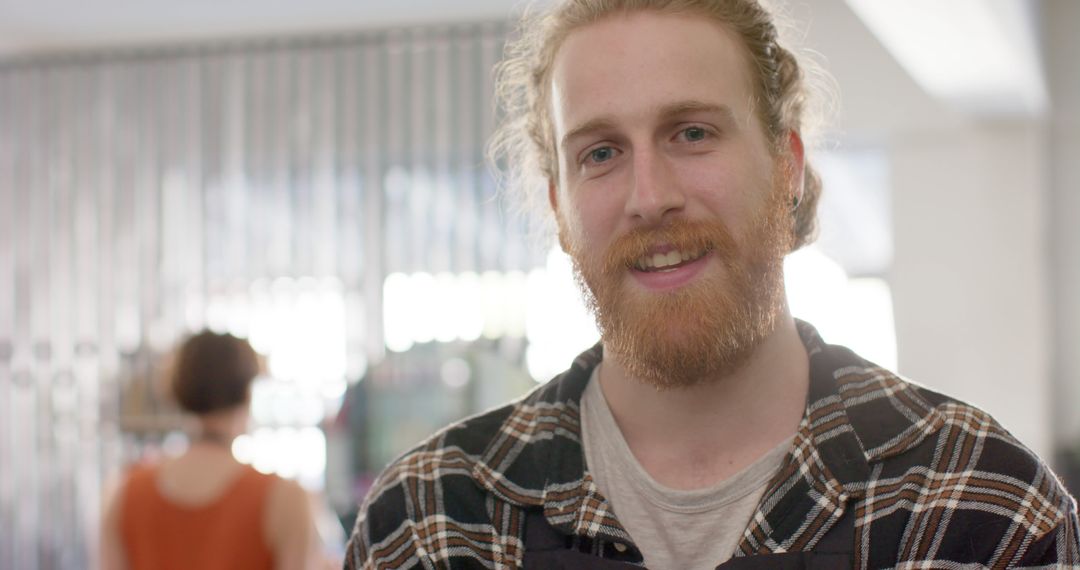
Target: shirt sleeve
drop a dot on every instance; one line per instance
(383, 537)
(1059, 548)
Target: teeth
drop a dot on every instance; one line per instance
(662, 260)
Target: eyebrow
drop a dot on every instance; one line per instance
(666, 113)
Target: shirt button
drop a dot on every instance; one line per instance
(620, 547)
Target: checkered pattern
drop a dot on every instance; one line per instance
(935, 483)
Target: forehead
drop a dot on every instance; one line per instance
(628, 64)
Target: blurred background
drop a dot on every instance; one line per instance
(310, 176)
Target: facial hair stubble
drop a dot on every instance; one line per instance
(705, 330)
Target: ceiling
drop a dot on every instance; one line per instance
(37, 26)
(879, 97)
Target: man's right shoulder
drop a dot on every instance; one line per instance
(432, 504)
(460, 495)
(427, 503)
(446, 456)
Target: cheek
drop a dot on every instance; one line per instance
(711, 191)
(730, 193)
(592, 215)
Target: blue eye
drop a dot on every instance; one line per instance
(601, 154)
(695, 134)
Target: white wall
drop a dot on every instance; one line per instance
(986, 272)
(1062, 45)
(970, 276)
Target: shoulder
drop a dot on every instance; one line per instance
(119, 488)
(125, 495)
(472, 452)
(443, 463)
(432, 503)
(287, 514)
(288, 525)
(461, 493)
(960, 448)
(284, 497)
(269, 486)
(950, 482)
(115, 491)
(137, 483)
(142, 472)
(902, 424)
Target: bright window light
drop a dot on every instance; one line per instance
(217, 314)
(515, 299)
(311, 458)
(299, 325)
(289, 449)
(422, 308)
(856, 313)
(446, 308)
(492, 292)
(264, 450)
(243, 449)
(397, 328)
(469, 316)
(980, 55)
(558, 326)
(455, 373)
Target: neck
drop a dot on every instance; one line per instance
(220, 428)
(214, 438)
(695, 436)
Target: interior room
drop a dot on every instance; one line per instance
(311, 177)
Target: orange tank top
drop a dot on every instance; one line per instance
(226, 534)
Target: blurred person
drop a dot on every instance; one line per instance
(708, 428)
(204, 509)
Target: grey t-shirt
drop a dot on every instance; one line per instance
(675, 529)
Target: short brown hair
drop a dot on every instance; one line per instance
(523, 147)
(213, 372)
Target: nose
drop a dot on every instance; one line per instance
(654, 190)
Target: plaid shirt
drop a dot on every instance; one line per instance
(935, 483)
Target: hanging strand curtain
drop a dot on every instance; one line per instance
(136, 185)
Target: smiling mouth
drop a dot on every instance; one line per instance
(668, 261)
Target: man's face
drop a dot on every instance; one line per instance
(668, 199)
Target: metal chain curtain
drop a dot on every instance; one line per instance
(136, 185)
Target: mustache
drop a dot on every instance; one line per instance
(683, 235)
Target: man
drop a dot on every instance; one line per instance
(708, 427)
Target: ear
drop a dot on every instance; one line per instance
(553, 196)
(796, 157)
(553, 200)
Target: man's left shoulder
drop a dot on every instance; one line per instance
(894, 417)
(950, 480)
(956, 439)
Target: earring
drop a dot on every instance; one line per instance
(795, 202)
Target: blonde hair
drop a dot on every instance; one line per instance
(522, 149)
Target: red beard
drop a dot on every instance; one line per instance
(705, 330)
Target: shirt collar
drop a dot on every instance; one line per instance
(536, 457)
